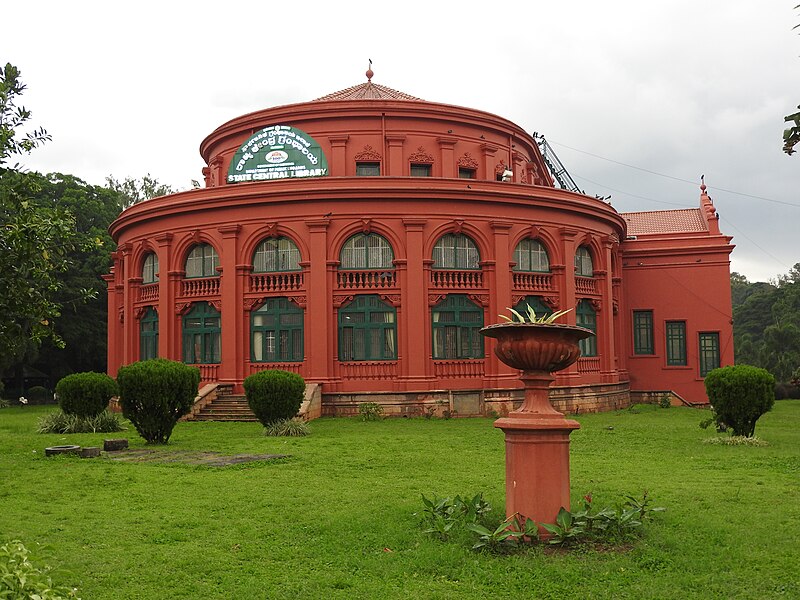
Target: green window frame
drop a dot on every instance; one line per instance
(367, 330)
(585, 316)
(421, 169)
(276, 255)
(276, 332)
(202, 261)
(368, 169)
(456, 251)
(148, 334)
(531, 255)
(675, 333)
(536, 303)
(467, 173)
(456, 322)
(709, 352)
(150, 268)
(643, 332)
(583, 262)
(366, 251)
(201, 335)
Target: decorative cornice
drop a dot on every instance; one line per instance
(421, 156)
(368, 153)
(467, 161)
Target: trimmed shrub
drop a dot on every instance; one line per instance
(274, 395)
(39, 395)
(740, 394)
(85, 394)
(155, 393)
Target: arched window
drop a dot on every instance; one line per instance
(276, 332)
(367, 330)
(148, 334)
(455, 251)
(583, 262)
(202, 261)
(276, 255)
(531, 255)
(586, 317)
(456, 323)
(535, 302)
(366, 251)
(150, 268)
(201, 334)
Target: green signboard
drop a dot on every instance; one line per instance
(277, 152)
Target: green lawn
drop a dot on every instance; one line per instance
(336, 519)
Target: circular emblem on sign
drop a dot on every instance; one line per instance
(276, 156)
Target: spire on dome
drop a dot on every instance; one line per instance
(703, 184)
(369, 71)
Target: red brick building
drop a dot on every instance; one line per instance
(362, 239)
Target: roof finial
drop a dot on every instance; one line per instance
(703, 183)
(369, 71)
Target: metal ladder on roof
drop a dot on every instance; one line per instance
(557, 169)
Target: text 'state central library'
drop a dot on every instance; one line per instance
(364, 238)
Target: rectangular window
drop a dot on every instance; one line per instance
(465, 173)
(676, 343)
(420, 170)
(643, 332)
(368, 169)
(709, 352)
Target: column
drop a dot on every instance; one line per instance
(416, 329)
(500, 297)
(566, 285)
(606, 343)
(394, 163)
(488, 161)
(231, 298)
(166, 298)
(318, 326)
(337, 165)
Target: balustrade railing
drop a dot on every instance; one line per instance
(368, 370)
(276, 282)
(208, 373)
(533, 282)
(589, 364)
(365, 280)
(294, 367)
(201, 286)
(585, 285)
(448, 369)
(456, 279)
(148, 292)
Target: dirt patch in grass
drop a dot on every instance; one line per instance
(211, 459)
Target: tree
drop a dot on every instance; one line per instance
(138, 190)
(740, 394)
(34, 239)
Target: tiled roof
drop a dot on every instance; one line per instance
(369, 91)
(665, 221)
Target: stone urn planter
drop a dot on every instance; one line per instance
(537, 435)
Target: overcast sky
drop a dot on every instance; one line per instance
(638, 99)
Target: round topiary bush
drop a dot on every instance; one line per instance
(85, 394)
(274, 395)
(155, 393)
(740, 394)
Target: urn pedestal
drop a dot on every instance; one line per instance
(537, 435)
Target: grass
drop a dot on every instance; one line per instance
(336, 518)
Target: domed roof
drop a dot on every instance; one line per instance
(369, 91)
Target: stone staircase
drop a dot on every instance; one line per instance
(226, 407)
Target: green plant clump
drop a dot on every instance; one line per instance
(740, 394)
(532, 317)
(155, 393)
(61, 422)
(295, 427)
(274, 395)
(85, 394)
(20, 579)
(370, 411)
(736, 440)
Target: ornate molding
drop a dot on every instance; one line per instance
(300, 300)
(421, 156)
(121, 314)
(596, 304)
(366, 225)
(182, 308)
(458, 226)
(393, 299)
(271, 230)
(434, 299)
(553, 302)
(467, 161)
(217, 304)
(500, 167)
(250, 303)
(368, 153)
(340, 299)
(482, 299)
